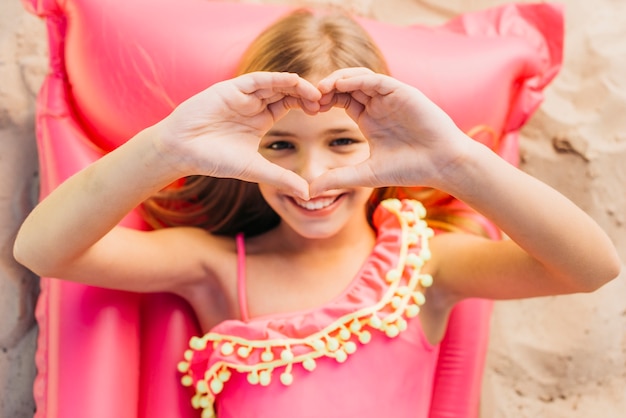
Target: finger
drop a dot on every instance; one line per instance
(333, 99)
(353, 107)
(280, 108)
(263, 171)
(360, 175)
(282, 97)
(253, 82)
(271, 85)
(308, 106)
(274, 94)
(327, 84)
(339, 99)
(368, 84)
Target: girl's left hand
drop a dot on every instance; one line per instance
(412, 141)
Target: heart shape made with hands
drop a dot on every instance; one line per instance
(400, 123)
(315, 101)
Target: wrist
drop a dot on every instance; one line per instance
(467, 168)
(164, 152)
(156, 158)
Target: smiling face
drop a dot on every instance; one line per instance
(310, 145)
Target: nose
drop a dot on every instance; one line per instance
(312, 164)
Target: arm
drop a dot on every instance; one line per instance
(554, 247)
(83, 212)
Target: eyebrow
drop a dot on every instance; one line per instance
(334, 131)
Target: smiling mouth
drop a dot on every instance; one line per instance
(317, 203)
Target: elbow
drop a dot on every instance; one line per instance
(610, 271)
(26, 256)
(19, 254)
(22, 255)
(601, 265)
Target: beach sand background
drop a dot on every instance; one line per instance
(548, 357)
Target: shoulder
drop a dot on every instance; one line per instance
(195, 244)
(207, 252)
(211, 286)
(174, 259)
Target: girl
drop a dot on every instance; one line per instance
(307, 282)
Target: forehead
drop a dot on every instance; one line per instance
(298, 123)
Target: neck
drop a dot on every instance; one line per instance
(356, 233)
(364, 235)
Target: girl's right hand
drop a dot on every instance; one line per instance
(217, 132)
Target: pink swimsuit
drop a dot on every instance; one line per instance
(364, 354)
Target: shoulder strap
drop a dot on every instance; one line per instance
(241, 278)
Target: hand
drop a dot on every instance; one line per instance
(412, 141)
(217, 132)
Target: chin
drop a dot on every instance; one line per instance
(315, 232)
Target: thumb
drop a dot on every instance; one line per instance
(286, 181)
(359, 175)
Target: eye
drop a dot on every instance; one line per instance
(279, 145)
(343, 142)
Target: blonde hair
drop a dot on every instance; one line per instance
(308, 43)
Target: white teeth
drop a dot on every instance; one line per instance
(316, 204)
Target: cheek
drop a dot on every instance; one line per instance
(367, 193)
(272, 196)
(365, 155)
(266, 191)
(361, 155)
(286, 162)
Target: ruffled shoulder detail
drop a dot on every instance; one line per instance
(387, 292)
